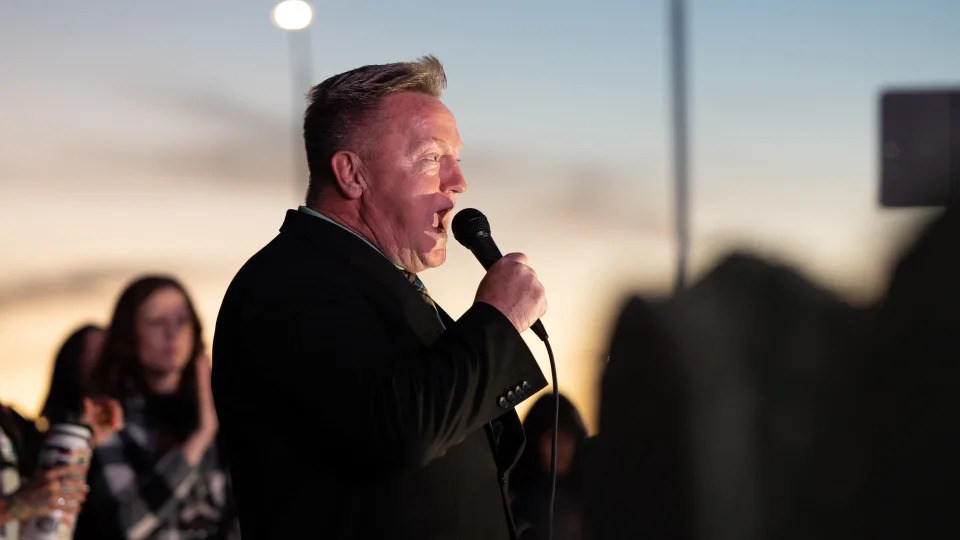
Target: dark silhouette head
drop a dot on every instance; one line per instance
(534, 462)
(70, 380)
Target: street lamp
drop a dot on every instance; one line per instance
(294, 17)
(681, 156)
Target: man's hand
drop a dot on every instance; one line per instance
(512, 287)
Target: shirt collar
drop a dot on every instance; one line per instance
(314, 213)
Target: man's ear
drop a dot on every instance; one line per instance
(349, 172)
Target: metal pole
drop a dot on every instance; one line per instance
(301, 66)
(678, 66)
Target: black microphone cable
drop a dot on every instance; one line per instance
(553, 439)
(472, 230)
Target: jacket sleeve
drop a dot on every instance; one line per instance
(402, 406)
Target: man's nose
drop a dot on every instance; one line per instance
(454, 180)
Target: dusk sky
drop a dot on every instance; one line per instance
(156, 136)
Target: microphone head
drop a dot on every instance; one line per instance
(470, 224)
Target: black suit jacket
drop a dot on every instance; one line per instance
(348, 411)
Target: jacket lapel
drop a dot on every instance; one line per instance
(415, 311)
(398, 296)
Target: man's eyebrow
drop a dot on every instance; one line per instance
(423, 144)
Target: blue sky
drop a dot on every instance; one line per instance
(156, 135)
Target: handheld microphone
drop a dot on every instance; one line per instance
(471, 228)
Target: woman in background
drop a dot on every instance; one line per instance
(161, 476)
(70, 380)
(530, 478)
(25, 492)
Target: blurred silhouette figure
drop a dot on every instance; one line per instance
(530, 478)
(913, 382)
(774, 362)
(637, 467)
(730, 410)
(161, 476)
(70, 380)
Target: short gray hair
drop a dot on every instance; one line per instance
(340, 105)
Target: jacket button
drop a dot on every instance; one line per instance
(511, 397)
(518, 390)
(502, 402)
(526, 385)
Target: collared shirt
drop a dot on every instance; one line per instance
(421, 288)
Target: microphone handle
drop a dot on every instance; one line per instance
(487, 252)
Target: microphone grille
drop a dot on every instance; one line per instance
(468, 224)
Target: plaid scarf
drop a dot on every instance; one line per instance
(158, 496)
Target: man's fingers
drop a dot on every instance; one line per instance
(516, 257)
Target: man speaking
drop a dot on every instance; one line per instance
(351, 405)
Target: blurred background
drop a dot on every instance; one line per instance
(160, 137)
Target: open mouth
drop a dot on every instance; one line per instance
(439, 220)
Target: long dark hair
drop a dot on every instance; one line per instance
(67, 386)
(118, 373)
(538, 422)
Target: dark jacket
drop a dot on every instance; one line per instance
(348, 411)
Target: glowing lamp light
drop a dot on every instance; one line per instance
(292, 15)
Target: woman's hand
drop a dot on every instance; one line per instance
(61, 488)
(207, 425)
(207, 421)
(104, 415)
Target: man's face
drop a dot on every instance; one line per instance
(413, 176)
